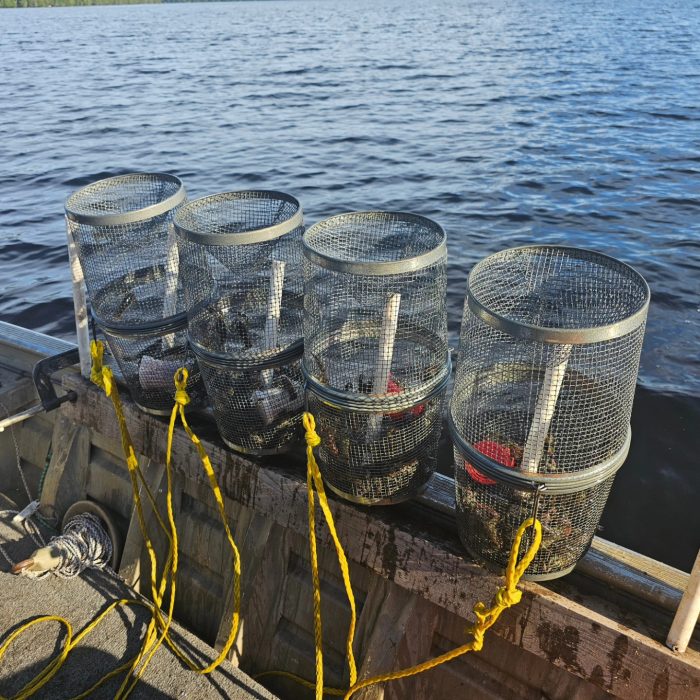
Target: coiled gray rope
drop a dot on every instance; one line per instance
(84, 544)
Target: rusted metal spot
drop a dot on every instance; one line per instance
(389, 555)
(524, 619)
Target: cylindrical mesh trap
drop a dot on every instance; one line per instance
(240, 258)
(121, 228)
(376, 360)
(550, 345)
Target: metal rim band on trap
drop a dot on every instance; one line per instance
(597, 481)
(387, 267)
(128, 254)
(548, 334)
(154, 332)
(208, 359)
(255, 235)
(242, 277)
(350, 332)
(97, 218)
(329, 399)
(376, 360)
(552, 338)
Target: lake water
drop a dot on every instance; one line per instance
(509, 123)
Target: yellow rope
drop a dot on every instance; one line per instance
(314, 475)
(135, 667)
(318, 633)
(485, 617)
(314, 486)
(52, 668)
(505, 597)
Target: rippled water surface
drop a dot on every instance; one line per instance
(509, 123)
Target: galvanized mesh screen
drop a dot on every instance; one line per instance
(550, 346)
(501, 378)
(489, 514)
(374, 465)
(240, 260)
(375, 348)
(255, 414)
(121, 227)
(148, 364)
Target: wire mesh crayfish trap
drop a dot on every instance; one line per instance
(121, 229)
(240, 258)
(376, 359)
(550, 346)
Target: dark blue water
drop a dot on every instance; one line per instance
(537, 121)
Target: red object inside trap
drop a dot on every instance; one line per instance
(393, 387)
(495, 451)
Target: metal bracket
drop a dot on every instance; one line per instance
(41, 376)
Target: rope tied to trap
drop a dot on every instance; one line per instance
(486, 616)
(182, 398)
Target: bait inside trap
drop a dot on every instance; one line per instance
(539, 417)
(376, 361)
(121, 229)
(241, 265)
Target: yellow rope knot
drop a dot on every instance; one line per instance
(505, 597)
(107, 381)
(182, 398)
(312, 437)
(97, 350)
(477, 638)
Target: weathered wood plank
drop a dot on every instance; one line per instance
(252, 531)
(396, 610)
(68, 471)
(599, 642)
(130, 567)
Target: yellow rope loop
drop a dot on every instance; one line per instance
(515, 570)
(182, 398)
